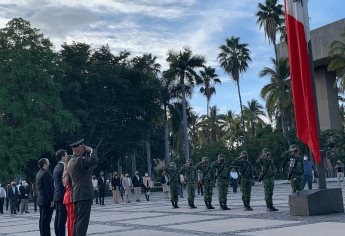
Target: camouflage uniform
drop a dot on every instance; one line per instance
(190, 178)
(174, 178)
(267, 174)
(222, 177)
(207, 180)
(246, 173)
(295, 169)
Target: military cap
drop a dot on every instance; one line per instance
(220, 156)
(265, 150)
(205, 159)
(76, 144)
(293, 147)
(244, 153)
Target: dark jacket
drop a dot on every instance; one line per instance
(163, 179)
(79, 171)
(101, 184)
(12, 196)
(45, 187)
(59, 188)
(24, 192)
(136, 182)
(115, 182)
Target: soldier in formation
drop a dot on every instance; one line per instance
(174, 177)
(190, 176)
(222, 178)
(246, 173)
(267, 176)
(207, 180)
(295, 169)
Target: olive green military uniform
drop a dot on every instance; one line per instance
(222, 178)
(267, 175)
(174, 179)
(207, 180)
(295, 169)
(246, 172)
(190, 175)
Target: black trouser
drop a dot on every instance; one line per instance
(60, 219)
(82, 210)
(101, 194)
(2, 200)
(200, 189)
(35, 203)
(7, 203)
(46, 213)
(95, 193)
(234, 185)
(13, 205)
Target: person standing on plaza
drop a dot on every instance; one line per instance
(147, 186)
(34, 194)
(181, 184)
(308, 169)
(340, 171)
(24, 192)
(95, 187)
(234, 179)
(190, 174)
(207, 180)
(45, 198)
(200, 188)
(265, 163)
(174, 179)
(8, 186)
(13, 195)
(115, 186)
(79, 171)
(2, 199)
(165, 184)
(137, 184)
(295, 169)
(102, 182)
(67, 199)
(59, 192)
(127, 185)
(222, 178)
(246, 172)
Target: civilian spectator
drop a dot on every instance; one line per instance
(95, 187)
(115, 184)
(340, 171)
(137, 184)
(308, 168)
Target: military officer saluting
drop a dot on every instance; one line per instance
(190, 174)
(79, 171)
(295, 168)
(207, 180)
(246, 172)
(267, 176)
(222, 178)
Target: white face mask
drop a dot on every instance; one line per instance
(146, 175)
(305, 158)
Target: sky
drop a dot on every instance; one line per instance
(156, 26)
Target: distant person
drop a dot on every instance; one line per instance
(295, 169)
(115, 184)
(13, 196)
(165, 184)
(308, 169)
(67, 200)
(200, 188)
(234, 179)
(24, 192)
(340, 171)
(2, 199)
(79, 171)
(95, 188)
(59, 192)
(102, 181)
(34, 194)
(8, 186)
(45, 199)
(122, 189)
(147, 186)
(137, 184)
(127, 185)
(181, 184)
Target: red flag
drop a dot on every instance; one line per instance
(297, 26)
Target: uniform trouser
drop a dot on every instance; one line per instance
(2, 200)
(116, 195)
(46, 213)
(82, 210)
(208, 192)
(296, 183)
(174, 189)
(246, 188)
(128, 195)
(137, 191)
(268, 190)
(222, 191)
(307, 179)
(70, 218)
(340, 176)
(191, 191)
(13, 206)
(24, 205)
(60, 219)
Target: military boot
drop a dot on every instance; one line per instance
(248, 208)
(176, 206)
(225, 207)
(193, 206)
(210, 206)
(271, 208)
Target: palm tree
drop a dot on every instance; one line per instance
(252, 113)
(147, 64)
(182, 67)
(234, 58)
(231, 125)
(277, 94)
(271, 17)
(337, 64)
(209, 79)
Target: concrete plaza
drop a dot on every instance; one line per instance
(156, 218)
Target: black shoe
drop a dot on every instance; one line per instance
(27, 212)
(248, 208)
(270, 209)
(225, 208)
(210, 206)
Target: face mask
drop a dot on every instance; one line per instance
(305, 158)
(146, 175)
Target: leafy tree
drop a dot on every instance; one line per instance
(252, 113)
(337, 63)
(32, 113)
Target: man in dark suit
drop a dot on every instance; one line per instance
(79, 171)
(13, 195)
(59, 192)
(45, 192)
(101, 187)
(137, 184)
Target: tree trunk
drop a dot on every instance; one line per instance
(184, 123)
(166, 136)
(208, 107)
(242, 116)
(148, 157)
(134, 164)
